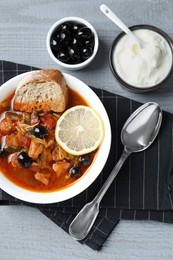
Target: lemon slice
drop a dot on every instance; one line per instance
(79, 130)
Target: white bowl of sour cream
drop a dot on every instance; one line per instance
(142, 69)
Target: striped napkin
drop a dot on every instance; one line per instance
(143, 187)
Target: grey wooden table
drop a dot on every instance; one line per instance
(25, 233)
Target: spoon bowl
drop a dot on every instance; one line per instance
(137, 134)
(132, 134)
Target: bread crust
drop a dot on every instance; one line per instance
(44, 90)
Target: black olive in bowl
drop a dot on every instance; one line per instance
(72, 43)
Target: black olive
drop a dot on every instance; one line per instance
(90, 42)
(74, 55)
(1, 151)
(85, 160)
(86, 52)
(84, 33)
(24, 160)
(66, 26)
(57, 35)
(63, 56)
(74, 171)
(77, 43)
(39, 131)
(76, 27)
(65, 38)
(55, 44)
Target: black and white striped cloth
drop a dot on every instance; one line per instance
(142, 189)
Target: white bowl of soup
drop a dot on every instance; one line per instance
(21, 182)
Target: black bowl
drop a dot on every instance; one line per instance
(125, 84)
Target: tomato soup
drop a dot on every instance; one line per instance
(29, 154)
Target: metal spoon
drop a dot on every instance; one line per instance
(107, 11)
(137, 134)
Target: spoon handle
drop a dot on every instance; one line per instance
(83, 222)
(105, 9)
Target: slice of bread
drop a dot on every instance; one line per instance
(43, 90)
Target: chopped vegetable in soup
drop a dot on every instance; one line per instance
(29, 155)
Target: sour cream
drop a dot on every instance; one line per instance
(142, 67)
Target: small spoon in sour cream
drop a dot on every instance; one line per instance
(107, 11)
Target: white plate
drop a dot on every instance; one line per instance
(87, 179)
